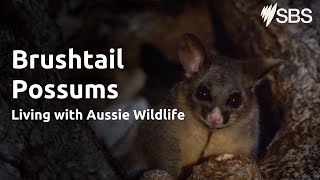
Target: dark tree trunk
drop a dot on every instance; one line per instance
(37, 150)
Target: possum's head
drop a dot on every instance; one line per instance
(219, 91)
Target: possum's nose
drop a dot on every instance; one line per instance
(215, 120)
(215, 117)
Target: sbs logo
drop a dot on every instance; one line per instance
(291, 15)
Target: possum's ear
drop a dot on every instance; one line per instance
(256, 70)
(191, 53)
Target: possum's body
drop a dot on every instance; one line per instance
(221, 114)
(174, 145)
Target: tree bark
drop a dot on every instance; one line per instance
(37, 150)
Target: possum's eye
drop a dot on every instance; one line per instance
(203, 93)
(234, 100)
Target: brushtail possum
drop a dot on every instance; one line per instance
(218, 99)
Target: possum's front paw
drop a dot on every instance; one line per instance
(226, 166)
